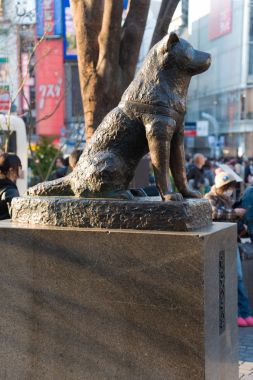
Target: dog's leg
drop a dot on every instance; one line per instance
(177, 165)
(61, 186)
(159, 131)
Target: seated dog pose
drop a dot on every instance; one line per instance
(149, 118)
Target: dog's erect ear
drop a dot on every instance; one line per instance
(167, 41)
(173, 39)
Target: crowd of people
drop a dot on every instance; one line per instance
(10, 171)
(227, 184)
(229, 188)
(64, 166)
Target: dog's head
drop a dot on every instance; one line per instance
(172, 50)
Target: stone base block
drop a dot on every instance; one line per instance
(87, 304)
(147, 213)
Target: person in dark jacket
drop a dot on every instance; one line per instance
(10, 167)
(248, 174)
(195, 174)
(60, 171)
(247, 203)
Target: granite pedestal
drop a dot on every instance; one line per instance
(144, 213)
(90, 304)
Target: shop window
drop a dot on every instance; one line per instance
(77, 107)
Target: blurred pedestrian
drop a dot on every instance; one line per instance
(247, 203)
(195, 175)
(248, 174)
(10, 170)
(208, 172)
(61, 169)
(188, 162)
(221, 201)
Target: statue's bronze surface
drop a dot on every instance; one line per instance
(149, 118)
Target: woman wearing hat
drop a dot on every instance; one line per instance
(221, 201)
(10, 167)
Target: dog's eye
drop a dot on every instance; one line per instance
(189, 53)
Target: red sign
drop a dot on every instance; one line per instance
(190, 129)
(190, 133)
(49, 88)
(220, 18)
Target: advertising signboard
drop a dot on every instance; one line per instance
(49, 18)
(70, 52)
(4, 67)
(50, 87)
(190, 129)
(24, 12)
(220, 18)
(4, 87)
(202, 128)
(69, 33)
(4, 98)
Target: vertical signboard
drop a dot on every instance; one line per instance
(24, 11)
(4, 66)
(202, 128)
(49, 18)
(69, 32)
(220, 18)
(49, 88)
(4, 84)
(190, 129)
(4, 98)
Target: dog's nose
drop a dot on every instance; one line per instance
(209, 60)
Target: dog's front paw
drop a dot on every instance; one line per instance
(173, 197)
(35, 190)
(191, 194)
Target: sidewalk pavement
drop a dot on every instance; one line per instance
(246, 353)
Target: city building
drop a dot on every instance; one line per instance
(219, 120)
(38, 69)
(16, 42)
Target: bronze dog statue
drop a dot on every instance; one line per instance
(149, 118)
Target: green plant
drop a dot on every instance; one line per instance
(43, 158)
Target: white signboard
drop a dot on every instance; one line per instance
(202, 128)
(24, 12)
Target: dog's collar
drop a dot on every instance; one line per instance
(148, 108)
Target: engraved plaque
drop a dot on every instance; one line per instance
(221, 292)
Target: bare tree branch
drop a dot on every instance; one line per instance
(52, 112)
(24, 79)
(166, 12)
(132, 34)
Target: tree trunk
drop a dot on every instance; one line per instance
(107, 52)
